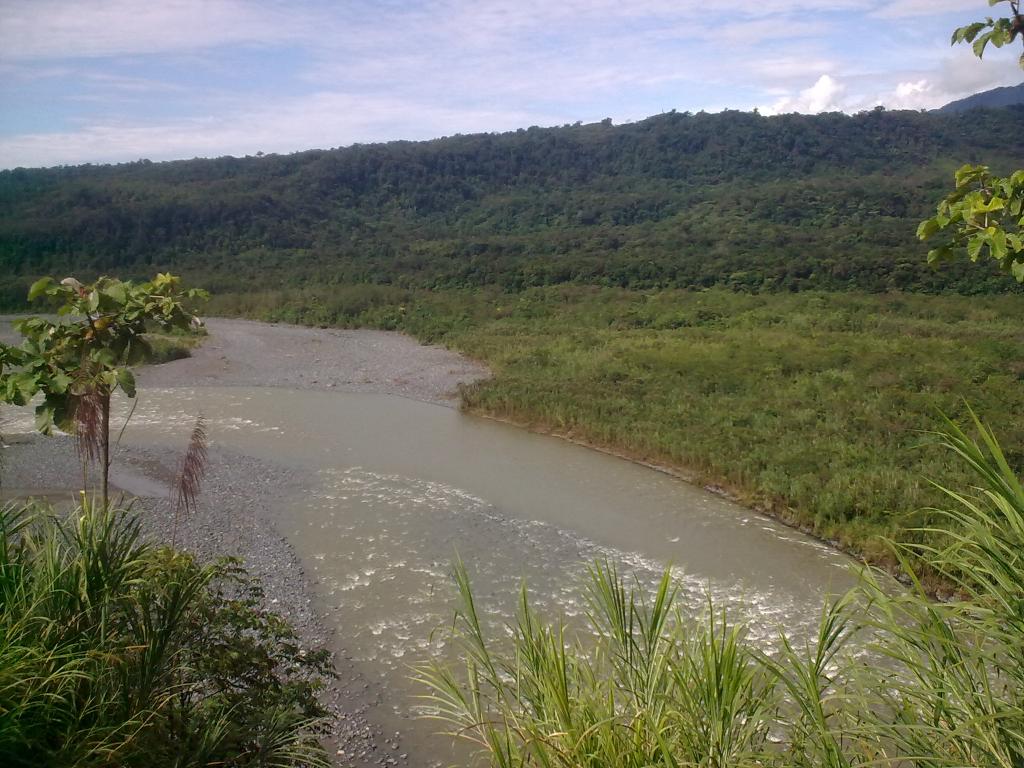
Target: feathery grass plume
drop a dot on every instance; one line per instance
(89, 426)
(87, 417)
(190, 475)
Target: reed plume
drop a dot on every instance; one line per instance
(190, 475)
(89, 426)
(88, 421)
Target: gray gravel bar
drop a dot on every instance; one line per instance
(248, 353)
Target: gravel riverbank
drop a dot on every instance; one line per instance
(252, 354)
(245, 353)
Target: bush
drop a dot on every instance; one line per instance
(116, 652)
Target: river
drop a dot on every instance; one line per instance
(402, 486)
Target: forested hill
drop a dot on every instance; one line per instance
(762, 203)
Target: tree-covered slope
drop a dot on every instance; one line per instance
(739, 199)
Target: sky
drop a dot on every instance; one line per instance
(105, 81)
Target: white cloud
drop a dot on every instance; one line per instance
(385, 69)
(901, 9)
(91, 28)
(957, 74)
(916, 95)
(826, 95)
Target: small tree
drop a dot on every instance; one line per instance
(78, 362)
(984, 213)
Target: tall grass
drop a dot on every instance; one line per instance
(891, 677)
(114, 652)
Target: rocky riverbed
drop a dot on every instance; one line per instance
(247, 353)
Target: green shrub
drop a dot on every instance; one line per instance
(116, 652)
(165, 348)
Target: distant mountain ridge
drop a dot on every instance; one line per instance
(1006, 96)
(790, 202)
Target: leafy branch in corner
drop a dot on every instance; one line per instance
(984, 213)
(995, 32)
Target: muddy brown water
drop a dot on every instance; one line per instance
(402, 486)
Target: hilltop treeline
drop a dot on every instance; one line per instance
(677, 200)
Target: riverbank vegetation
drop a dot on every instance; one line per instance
(166, 346)
(890, 679)
(815, 406)
(114, 651)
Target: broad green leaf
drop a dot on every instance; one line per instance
(927, 228)
(966, 173)
(44, 418)
(995, 204)
(39, 287)
(1002, 33)
(974, 246)
(127, 381)
(968, 33)
(28, 383)
(116, 292)
(104, 357)
(60, 382)
(981, 43)
(997, 244)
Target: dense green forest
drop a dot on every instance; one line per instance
(677, 200)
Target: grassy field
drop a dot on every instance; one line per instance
(812, 405)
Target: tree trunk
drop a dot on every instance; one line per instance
(105, 478)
